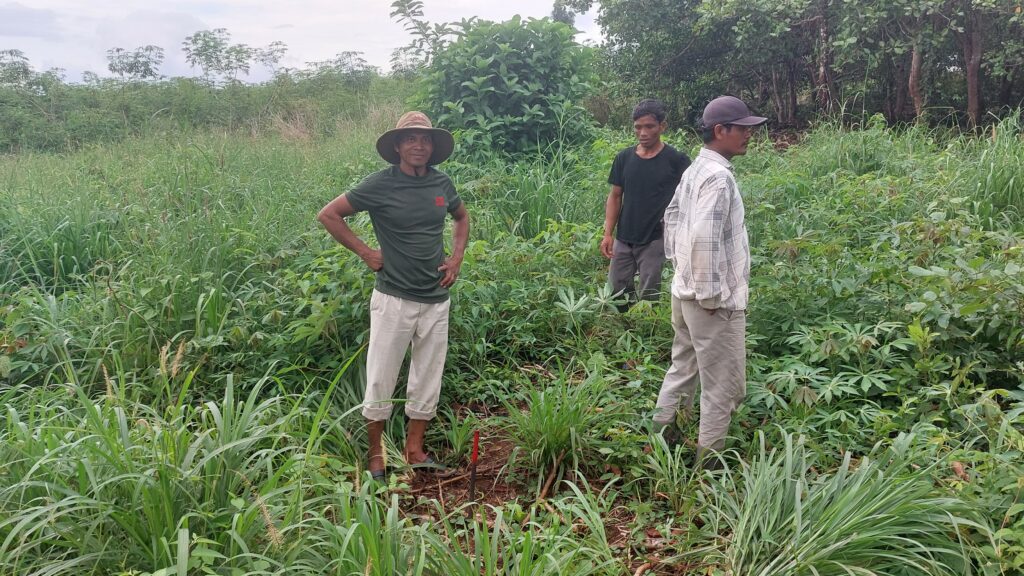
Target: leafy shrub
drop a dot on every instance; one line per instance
(514, 86)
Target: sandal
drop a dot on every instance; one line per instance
(434, 466)
(380, 474)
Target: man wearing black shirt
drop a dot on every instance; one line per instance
(643, 178)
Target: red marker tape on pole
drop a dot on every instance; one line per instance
(472, 465)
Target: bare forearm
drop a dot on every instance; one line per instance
(612, 206)
(340, 231)
(460, 235)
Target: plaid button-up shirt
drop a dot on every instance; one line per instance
(706, 238)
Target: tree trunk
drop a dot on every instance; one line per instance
(899, 103)
(791, 78)
(914, 82)
(765, 90)
(824, 75)
(970, 41)
(777, 103)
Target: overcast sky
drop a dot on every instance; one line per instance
(75, 34)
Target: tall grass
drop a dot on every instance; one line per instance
(673, 477)
(992, 171)
(103, 485)
(146, 242)
(877, 516)
(104, 482)
(135, 278)
(558, 426)
(200, 203)
(523, 194)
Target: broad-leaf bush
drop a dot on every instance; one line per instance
(510, 87)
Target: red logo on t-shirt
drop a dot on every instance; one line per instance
(439, 201)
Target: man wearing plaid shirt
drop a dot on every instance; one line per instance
(706, 241)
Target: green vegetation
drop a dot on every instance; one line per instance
(784, 522)
(182, 345)
(906, 59)
(520, 85)
(514, 86)
(43, 111)
(181, 350)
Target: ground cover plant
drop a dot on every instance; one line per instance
(181, 350)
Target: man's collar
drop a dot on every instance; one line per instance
(709, 154)
(397, 171)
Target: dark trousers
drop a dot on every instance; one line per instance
(630, 259)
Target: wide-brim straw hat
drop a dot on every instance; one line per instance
(444, 144)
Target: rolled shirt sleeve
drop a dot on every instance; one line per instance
(673, 220)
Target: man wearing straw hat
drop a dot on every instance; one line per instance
(407, 203)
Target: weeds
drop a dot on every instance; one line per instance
(786, 519)
(558, 426)
(180, 369)
(673, 477)
(992, 176)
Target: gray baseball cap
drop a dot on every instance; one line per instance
(730, 110)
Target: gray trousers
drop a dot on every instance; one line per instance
(709, 348)
(628, 259)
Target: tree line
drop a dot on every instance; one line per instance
(43, 110)
(515, 84)
(907, 59)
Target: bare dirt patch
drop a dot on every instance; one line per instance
(451, 491)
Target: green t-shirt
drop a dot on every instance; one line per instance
(408, 214)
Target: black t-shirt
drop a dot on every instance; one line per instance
(647, 187)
